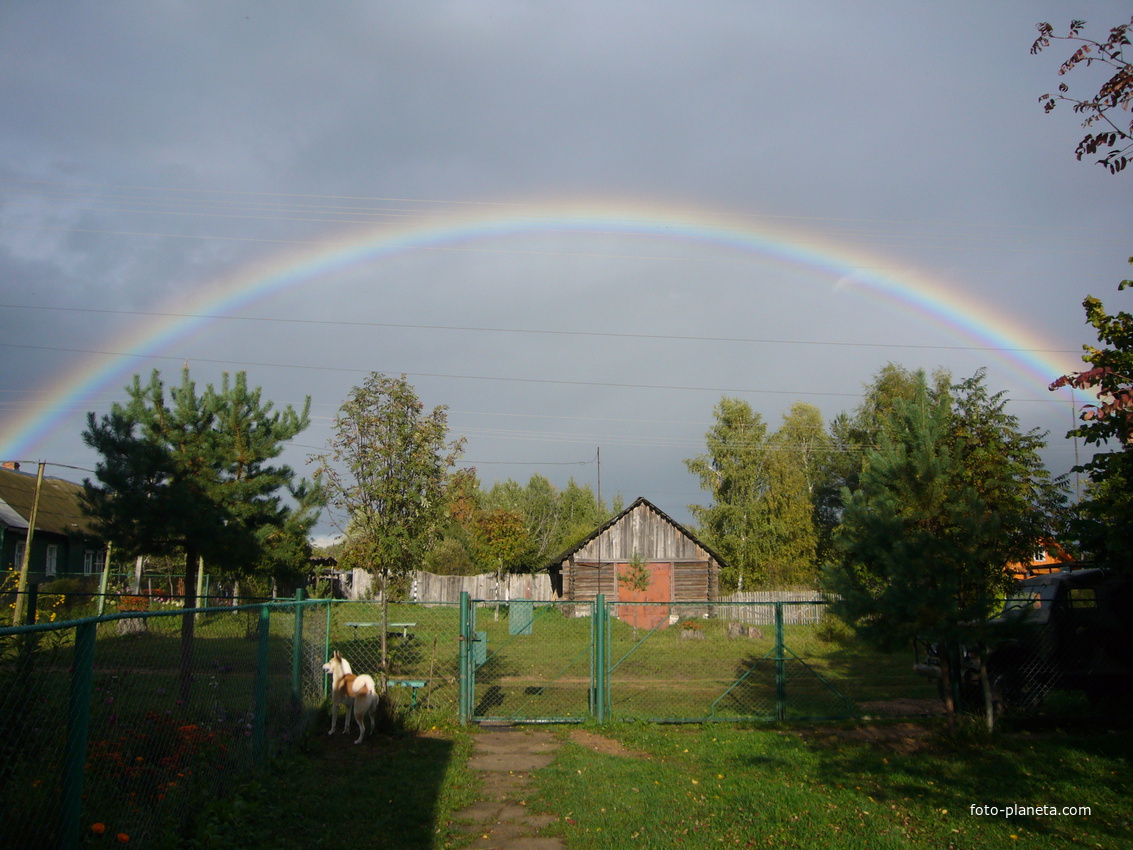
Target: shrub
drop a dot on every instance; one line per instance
(61, 586)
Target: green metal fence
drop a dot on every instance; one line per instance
(528, 662)
(109, 724)
(113, 725)
(667, 662)
(693, 667)
(421, 642)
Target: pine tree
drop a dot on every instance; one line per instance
(952, 495)
(191, 473)
(922, 555)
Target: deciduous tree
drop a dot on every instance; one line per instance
(1105, 522)
(499, 536)
(388, 469)
(733, 471)
(762, 519)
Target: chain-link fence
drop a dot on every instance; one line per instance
(421, 644)
(123, 725)
(119, 724)
(746, 661)
(48, 604)
(1026, 665)
(530, 661)
(675, 662)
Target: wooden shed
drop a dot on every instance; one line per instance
(681, 568)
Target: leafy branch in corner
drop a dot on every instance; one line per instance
(1115, 93)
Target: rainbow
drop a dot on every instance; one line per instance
(972, 323)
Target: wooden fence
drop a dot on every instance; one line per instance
(428, 587)
(807, 607)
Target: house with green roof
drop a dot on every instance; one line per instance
(64, 545)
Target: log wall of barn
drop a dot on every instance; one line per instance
(592, 568)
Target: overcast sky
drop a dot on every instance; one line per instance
(594, 219)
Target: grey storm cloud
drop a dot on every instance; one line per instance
(149, 152)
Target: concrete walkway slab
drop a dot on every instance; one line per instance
(507, 757)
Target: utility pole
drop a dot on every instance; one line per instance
(22, 588)
(600, 509)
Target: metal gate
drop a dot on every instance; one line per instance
(559, 662)
(526, 662)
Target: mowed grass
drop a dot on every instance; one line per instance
(719, 785)
(840, 787)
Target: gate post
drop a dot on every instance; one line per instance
(599, 674)
(326, 644)
(464, 660)
(260, 688)
(780, 666)
(78, 725)
(297, 653)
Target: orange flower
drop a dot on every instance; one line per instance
(98, 828)
(123, 838)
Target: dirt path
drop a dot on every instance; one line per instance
(506, 758)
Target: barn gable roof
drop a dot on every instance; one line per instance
(639, 501)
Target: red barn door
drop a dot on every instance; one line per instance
(660, 590)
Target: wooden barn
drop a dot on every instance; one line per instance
(681, 568)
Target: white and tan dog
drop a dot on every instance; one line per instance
(357, 691)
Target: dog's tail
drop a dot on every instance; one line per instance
(364, 685)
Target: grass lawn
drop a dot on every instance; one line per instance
(397, 792)
(893, 786)
(159, 767)
(656, 786)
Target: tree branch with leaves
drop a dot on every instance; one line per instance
(1105, 520)
(1116, 93)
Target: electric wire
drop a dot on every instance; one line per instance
(534, 331)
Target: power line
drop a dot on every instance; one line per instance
(1077, 245)
(544, 381)
(429, 206)
(329, 210)
(532, 331)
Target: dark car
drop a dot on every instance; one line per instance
(1071, 630)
